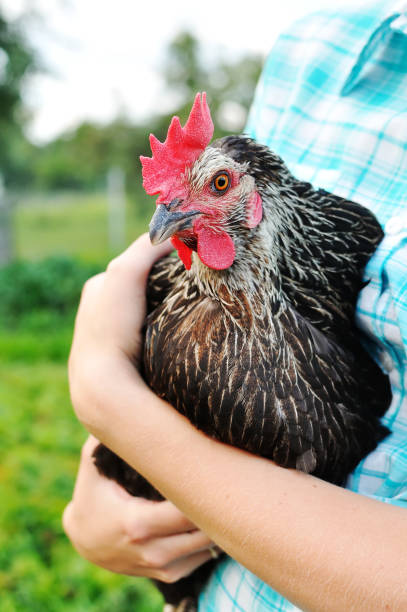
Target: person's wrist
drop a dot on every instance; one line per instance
(99, 384)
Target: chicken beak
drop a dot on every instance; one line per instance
(166, 223)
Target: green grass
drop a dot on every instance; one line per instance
(40, 438)
(73, 224)
(40, 441)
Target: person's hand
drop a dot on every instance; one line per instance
(107, 337)
(130, 535)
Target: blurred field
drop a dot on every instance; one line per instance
(40, 438)
(73, 224)
(61, 237)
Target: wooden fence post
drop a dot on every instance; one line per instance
(116, 195)
(6, 227)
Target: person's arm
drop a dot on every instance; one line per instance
(323, 547)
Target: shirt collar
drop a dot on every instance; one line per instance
(393, 19)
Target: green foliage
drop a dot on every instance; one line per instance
(16, 61)
(50, 341)
(40, 440)
(184, 70)
(80, 158)
(187, 71)
(62, 237)
(40, 437)
(51, 286)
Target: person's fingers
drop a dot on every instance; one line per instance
(142, 519)
(167, 559)
(88, 447)
(67, 520)
(142, 250)
(88, 476)
(180, 568)
(160, 552)
(93, 285)
(155, 519)
(171, 573)
(137, 260)
(185, 544)
(90, 297)
(126, 275)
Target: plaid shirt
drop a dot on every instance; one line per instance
(332, 102)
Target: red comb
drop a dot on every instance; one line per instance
(182, 146)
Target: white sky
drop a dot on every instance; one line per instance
(104, 55)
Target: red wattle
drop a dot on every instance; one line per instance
(215, 249)
(184, 252)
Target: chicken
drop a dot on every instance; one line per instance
(251, 333)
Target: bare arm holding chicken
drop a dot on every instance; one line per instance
(323, 547)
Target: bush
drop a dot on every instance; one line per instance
(39, 293)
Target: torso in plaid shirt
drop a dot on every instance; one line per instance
(332, 102)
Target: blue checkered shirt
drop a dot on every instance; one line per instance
(332, 102)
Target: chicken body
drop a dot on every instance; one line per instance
(265, 355)
(256, 344)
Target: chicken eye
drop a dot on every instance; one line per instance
(220, 182)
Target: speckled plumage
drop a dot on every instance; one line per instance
(264, 355)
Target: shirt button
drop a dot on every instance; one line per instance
(386, 361)
(395, 225)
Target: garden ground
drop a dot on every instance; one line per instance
(40, 438)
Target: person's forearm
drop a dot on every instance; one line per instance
(321, 546)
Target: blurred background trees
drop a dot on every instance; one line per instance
(16, 63)
(60, 233)
(79, 159)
